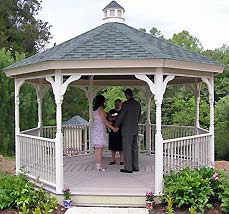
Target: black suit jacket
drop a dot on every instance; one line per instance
(129, 117)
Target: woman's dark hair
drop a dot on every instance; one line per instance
(98, 102)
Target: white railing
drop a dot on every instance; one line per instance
(202, 131)
(33, 132)
(76, 140)
(172, 132)
(184, 152)
(141, 137)
(48, 132)
(37, 157)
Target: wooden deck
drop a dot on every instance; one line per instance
(81, 176)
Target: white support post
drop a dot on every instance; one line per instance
(158, 88)
(197, 101)
(90, 94)
(210, 84)
(158, 80)
(196, 92)
(59, 88)
(40, 90)
(18, 84)
(148, 122)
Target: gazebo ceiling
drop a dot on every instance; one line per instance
(118, 80)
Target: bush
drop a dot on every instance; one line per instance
(198, 188)
(224, 194)
(17, 192)
(221, 129)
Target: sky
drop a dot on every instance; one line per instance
(208, 20)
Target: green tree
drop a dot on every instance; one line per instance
(143, 30)
(75, 103)
(157, 33)
(154, 31)
(111, 94)
(7, 103)
(20, 30)
(221, 128)
(179, 108)
(221, 80)
(186, 40)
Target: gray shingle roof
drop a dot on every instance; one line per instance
(113, 5)
(115, 41)
(76, 120)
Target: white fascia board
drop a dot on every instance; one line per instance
(107, 64)
(193, 66)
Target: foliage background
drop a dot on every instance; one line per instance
(22, 35)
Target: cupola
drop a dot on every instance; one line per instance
(114, 12)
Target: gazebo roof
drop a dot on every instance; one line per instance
(76, 120)
(114, 41)
(113, 5)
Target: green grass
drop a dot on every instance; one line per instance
(2, 175)
(10, 158)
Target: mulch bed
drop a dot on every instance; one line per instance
(161, 209)
(60, 210)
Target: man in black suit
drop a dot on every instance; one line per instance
(128, 119)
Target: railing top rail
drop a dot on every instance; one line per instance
(29, 130)
(48, 127)
(186, 138)
(202, 129)
(179, 126)
(37, 138)
(66, 126)
(174, 126)
(75, 125)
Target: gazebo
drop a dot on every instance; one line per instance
(112, 54)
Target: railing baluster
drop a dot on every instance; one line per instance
(36, 157)
(186, 152)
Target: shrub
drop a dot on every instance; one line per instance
(16, 192)
(198, 188)
(189, 189)
(224, 194)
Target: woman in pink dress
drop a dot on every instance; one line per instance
(98, 130)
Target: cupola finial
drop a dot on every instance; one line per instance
(114, 12)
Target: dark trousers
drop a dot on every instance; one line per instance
(130, 152)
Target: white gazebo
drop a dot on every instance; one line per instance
(113, 54)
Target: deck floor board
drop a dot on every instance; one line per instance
(81, 176)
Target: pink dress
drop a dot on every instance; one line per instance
(98, 131)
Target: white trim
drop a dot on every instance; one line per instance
(59, 88)
(40, 91)
(186, 138)
(210, 84)
(37, 138)
(146, 79)
(196, 92)
(17, 86)
(41, 180)
(118, 63)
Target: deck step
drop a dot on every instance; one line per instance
(106, 210)
(106, 201)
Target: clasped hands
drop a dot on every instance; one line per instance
(115, 129)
